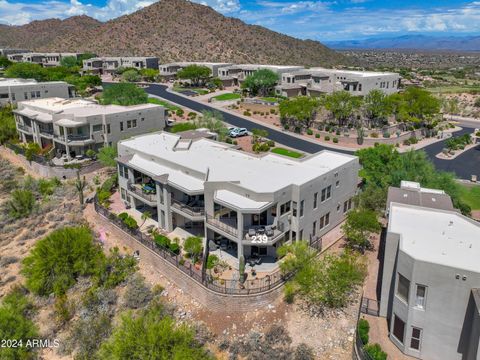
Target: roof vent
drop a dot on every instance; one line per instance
(450, 223)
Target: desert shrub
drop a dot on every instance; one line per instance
(104, 197)
(63, 309)
(160, 335)
(375, 351)
(272, 111)
(374, 135)
(317, 136)
(363, 329)
(162, 240)
(192, 114)
(137, 293)
(47, 187)
(179, 112)
(15, 323)
(303, 352)
(277, 334)
(289, 292)
(309, 132)
(247, 113)
(21, 204)
(90, 153)
(56, 261)
(327, 138)
(386, 134)
(115, 269)
(212, 261)
(335, 140)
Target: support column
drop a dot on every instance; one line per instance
(240, 235)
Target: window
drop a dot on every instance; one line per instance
(294, 208)
(134, 123)
(345, 207)
(349, 204)
(314, 228)
(302, 205)
(3, 96)
(326, 193)
(97, 128)
(284, 208)
(273, 210)
(25, 95)
(300, 235)
(315, 198)
(415, 340)
(398, 328)
(403, 287)
(324, 221)
(129, 124)
(124, 195)
(337, 183)
(37, 93)
(108, 129)
(338, 207)
(121, 125)
(420, 296)
(13, 97)
(32, 94)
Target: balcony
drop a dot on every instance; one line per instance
(264, 235)
(46, 133)
(193, 211)
(78, 137)
(228, 226)
(24, 128)
(140, 191)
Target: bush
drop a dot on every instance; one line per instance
(289, 292)
(56, 261)
(21, 204)
(137, 293)
(317, 136)
(327, 138)
(212, 261)
(193, 246)
(123, 94)
(123, 216)
(162, 241)
(335, 140)
(192, 114)
(375, 351)
(386, 134)
(174, 247)
(247, 113)
(272, 111)
(303, 352)
(90, 153)
(309, 132)
(374, 135)
(130, 222)
(363, 329)
(115, 269)
(271, 143)
(179, 112)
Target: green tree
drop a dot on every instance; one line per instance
(145, 216)
(342, 105)
(16, 323)
(58, 260)
(84, 82)
(4, 62)
(419, 105)
(124, 94)
(197, 74)
(213, 121)
(299, 111)
(161, 338)
(131, 76)
(377, 107)
(193, 246)
(26, 71)
(261, 82)
(69, 62)
(106, 155)
(8, 129)
(149, 74)
(21, 204)
(358, 226)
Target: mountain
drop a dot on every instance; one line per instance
(173, 30)
(414, 42)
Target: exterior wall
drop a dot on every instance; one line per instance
(6, 52)
(44, 59)
(110, 64)
(30, 91)
(445, 320)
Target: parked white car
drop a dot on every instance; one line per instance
(238, 132)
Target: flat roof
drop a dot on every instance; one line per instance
(79, 107)
(23, 82)
(430, 198)
(206, 63)
(437, 236)
(222, 162)
(239, 201)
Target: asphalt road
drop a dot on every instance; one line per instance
(464, 166)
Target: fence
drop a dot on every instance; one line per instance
(359, 352)
(34, 157)
(209, 281)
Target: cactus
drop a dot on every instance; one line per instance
(241, 268)
(360, 135)
(80, 185)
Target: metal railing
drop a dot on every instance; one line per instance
(138, 191)
(370, 306)
(46, 132)
(191, 210)
(79, 137)
(24, 128)
(359, 352)
(223, 225)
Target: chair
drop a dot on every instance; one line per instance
(251, 232)
(268, 230)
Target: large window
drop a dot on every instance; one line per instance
(326, 193)
(97, 128)
(314, 228)
(398, 328)
(420, 296)
(315, 199)
(324, 221)
(416, 338)
(284, 208)
(403, 287)
(302, 206)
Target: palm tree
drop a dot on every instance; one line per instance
(145, 216)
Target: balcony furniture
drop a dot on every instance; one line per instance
(148, 189)
(269, 230)
(261, 231)
(252, 232)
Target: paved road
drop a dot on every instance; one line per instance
(463, 166)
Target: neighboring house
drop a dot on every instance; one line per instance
(5, 52)
(169, 71)
(249, 204)
(43, 59)
(235, 74)
(74, 126)
(14, 90)
(109, 64)
(431, 276)
(316, 81)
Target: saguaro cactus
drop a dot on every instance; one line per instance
(80, 184)
(241, 268)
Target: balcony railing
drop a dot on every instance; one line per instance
(134, 188)
(191, 210)
(226, 225)
(24, 128)
(46, 132)
(79, 137)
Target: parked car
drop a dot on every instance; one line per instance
(238, 132)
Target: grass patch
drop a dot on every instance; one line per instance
(270, 99)
(286, 152)
(227, 96)
(165, 104)
(471, 196)
(199, 91)
(454, 89)
(184, 126)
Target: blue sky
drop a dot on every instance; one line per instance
(306, 19)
